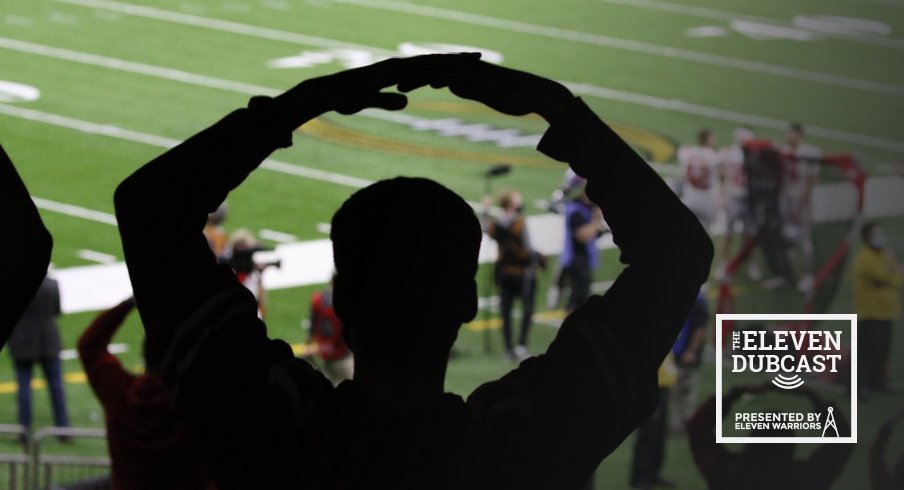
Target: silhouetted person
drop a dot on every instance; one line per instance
(270, 420)
(764, 466)
(881, 476)
(25, 248)
(36, 340)
(150, 447)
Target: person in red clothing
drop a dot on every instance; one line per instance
(326, 334)
(149, 445)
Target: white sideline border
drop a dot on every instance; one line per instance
(852, 318)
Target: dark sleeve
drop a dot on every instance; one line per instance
(105, 373)
(26, 250)
(559, 414)
(162, 209)
(245, 394)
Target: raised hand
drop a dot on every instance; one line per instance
(510, 91)
(350, 91)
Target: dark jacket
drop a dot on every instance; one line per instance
(37, 335)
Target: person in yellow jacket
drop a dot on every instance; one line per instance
(878, 280)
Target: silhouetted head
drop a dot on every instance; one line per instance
(795, 134)
(405, 251)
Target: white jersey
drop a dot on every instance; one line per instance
(801, 168)
(732, 163)
(700, 184)
(699, 169)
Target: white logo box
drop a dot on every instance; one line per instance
(852, 319)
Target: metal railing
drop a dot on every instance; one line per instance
(37, 469)
(16, 465)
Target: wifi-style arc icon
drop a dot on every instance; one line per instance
(788, 382)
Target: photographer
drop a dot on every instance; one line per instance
(240, 255)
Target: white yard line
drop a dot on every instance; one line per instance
(675, 105)
(276, 236)
(18, 20)
(162, 142)
(560, 34)
(215, 24)
(497, 23)
(71, 354)
(72, 210)
(725, 15)
(134, 67)
(95, 256)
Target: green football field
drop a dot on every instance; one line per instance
(116, 83)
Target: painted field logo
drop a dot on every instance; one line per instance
(786, 378)
(786, 354)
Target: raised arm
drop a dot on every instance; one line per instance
(598, 380)
(162, 207)
(201, 325)
(105, 373)
(25, 250)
